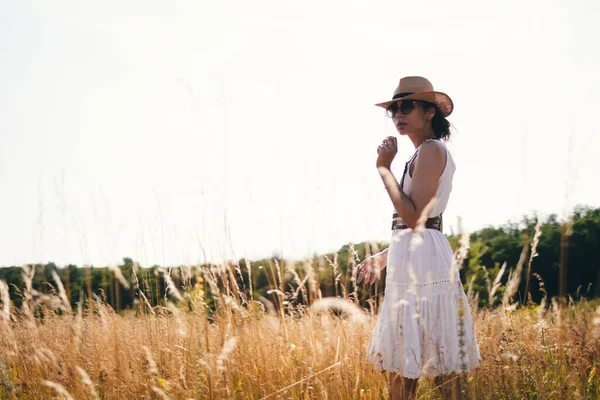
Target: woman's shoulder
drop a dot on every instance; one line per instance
(432, 149)
(433, 143)
(433, 155)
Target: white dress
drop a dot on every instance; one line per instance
(425, 326)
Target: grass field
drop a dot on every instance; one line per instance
(244, 348)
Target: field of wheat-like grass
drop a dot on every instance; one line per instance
(215, 340)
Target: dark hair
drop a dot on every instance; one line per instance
(440, 125)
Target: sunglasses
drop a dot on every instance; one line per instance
(405, 107)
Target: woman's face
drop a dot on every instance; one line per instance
(409, 117)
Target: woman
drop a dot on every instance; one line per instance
(425, 327)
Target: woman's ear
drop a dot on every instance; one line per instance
(430, 113)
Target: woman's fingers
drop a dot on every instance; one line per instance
(370, 276)
(383, 147)
(367, 271)
(389, 143)
(367, 276)
(360, 272)
(373, 278)
(394, 143)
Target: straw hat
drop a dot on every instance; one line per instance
(419, 88)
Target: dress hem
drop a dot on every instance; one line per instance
(458, 371)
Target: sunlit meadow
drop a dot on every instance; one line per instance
(212, 338)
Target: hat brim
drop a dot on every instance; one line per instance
(442, 100)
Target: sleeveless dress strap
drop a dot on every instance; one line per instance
(406, 169)
(411, 160)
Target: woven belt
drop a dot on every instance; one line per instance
(431, 223)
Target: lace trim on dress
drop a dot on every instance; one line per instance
(435, 287)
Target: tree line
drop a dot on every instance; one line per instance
(567, 263)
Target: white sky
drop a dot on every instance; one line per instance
(153, 130)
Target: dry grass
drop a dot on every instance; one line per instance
(243, 349)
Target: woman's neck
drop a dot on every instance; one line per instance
(418, 140)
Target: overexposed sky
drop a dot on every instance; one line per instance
(175, 132)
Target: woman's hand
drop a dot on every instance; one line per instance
(386, 152)
(370, 269)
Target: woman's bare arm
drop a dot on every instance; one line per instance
(429, 166)
(402, 203)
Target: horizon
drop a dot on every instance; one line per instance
(275, 255)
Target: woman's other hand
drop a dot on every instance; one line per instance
(370, 269)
